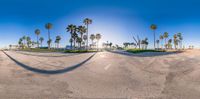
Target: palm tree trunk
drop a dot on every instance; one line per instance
(37, 42)
(165, 44)
(87, 37)
(180, 44)
(98, 45)
(71, 45)
(41, 44)
(70, 40)
(154, 39)
(74, 42)
(139, 44)
(24, 43)
(49, 45)
(81, 40)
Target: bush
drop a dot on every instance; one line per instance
(141, 50)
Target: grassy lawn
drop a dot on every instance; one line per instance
(79, 51)
(141, 51)
(41, 50)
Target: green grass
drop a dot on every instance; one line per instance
(79, 51)
(141, 51)
(41, 50)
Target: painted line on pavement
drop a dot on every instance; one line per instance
(106, 68)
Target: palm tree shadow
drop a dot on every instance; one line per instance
(41, 71)
(145, 54)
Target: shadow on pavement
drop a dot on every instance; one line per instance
(41, 71)
(47, 55)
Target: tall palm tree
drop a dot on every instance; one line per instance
(71, 41)
(74, 37)
(92, 37)
(49, 26)
(161, 39)
(144, 43)
(175, 41)
(98, 37)
(85, 39)
(154, 27)
(169, 43)
(158, 41)
(180, 37)
(28, 39)
(37, 32)
(58, 38)
(56, 43)
(81, 30)
(87, 21)
(41, 40)
(20, 42)
(24, 39)
(71, 28)
(79, 41)
(49, 42)
(166, 35)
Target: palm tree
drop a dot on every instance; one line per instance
(161, 39)
(98, 37)
(56, 43)
(28, 39)
(71, 28)
(158, 41)
(126, 45)
(49, 42)
(49, 26)
(41, 40)
(58, 38)
(179, 35)
(74, 37)
(166, 35)
(37, 32)
(144, 43)
(81, 30)
(79, 40)
(92, 37)
(169, 43)
(87, 21)
(175, 41)
(20, 42)
(24, 38)
(71, 41)
(84, 38)
(110, 44)
(154, 27)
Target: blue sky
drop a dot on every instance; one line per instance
(116, 20)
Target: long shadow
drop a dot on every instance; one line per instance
(41, 71)
(48, 55)
(145, 54)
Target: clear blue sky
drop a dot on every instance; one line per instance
(116, 20)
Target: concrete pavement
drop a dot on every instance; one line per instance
(105, 75)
